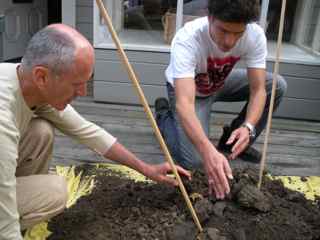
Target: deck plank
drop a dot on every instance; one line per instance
(294, 146)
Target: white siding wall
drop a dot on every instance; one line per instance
(84, 18)
(111, 83)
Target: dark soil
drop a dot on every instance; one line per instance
(120, 208)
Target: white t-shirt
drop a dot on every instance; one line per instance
(195, 55)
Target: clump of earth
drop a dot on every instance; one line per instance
(120, 208)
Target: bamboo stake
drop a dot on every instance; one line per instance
(275, 73)
(144, 102)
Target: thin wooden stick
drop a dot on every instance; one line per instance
(143, 100)
(274, 82)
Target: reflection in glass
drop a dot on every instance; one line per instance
(160, 15)
(273, 19)
(148, 14)
(144, 15)
(311, 26)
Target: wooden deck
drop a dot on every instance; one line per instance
(294, 146)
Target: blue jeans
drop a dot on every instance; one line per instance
(235, 89)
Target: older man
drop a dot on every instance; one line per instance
(34, 98)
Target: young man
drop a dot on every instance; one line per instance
(201, 72)
(34, 98)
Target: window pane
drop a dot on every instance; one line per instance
(273, 19)
(148, 14)
(311, 24)
(143, 15)
(195, 7)
(144, 21)
(154, 21)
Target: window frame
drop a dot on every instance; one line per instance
(102, 38)
(300, 30)
(69, 12)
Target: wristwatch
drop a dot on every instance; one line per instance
(251, 128)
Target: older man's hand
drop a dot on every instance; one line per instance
(159, 173)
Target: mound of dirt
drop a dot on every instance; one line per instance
(120, 208)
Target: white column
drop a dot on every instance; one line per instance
(264, 13)
(179, 17)
(69, 12)
(316, 36)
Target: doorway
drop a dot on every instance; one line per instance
(54, 11)
(20, 20)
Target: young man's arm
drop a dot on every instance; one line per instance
(215, 164)
(257, 79)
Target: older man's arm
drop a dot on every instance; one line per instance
(158, 173)
(73, 124)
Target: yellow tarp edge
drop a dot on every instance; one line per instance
(126, 171)
(78, 186)
(309, 186)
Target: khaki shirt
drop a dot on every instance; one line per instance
(15, 117)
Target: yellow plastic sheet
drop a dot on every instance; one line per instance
(126, 171)
(79, 186)
(309, 186)
(38, 232)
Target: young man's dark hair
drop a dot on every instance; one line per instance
(240, 11)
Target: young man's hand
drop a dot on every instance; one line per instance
(240, 137)
(218, 172)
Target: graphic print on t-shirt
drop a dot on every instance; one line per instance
(217, 71)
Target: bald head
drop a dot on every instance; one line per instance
(78, 39)
(57, 47)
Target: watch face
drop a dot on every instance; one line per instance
(251, 128)
(253, 133)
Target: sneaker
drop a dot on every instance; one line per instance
(222, 146)
(250, 154)
(161, 105)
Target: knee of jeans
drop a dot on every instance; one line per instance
(281, 86)
(58, 193)
(43, 130)
(189, 163)
(197, 164)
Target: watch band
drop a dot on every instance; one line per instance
(251, 128)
